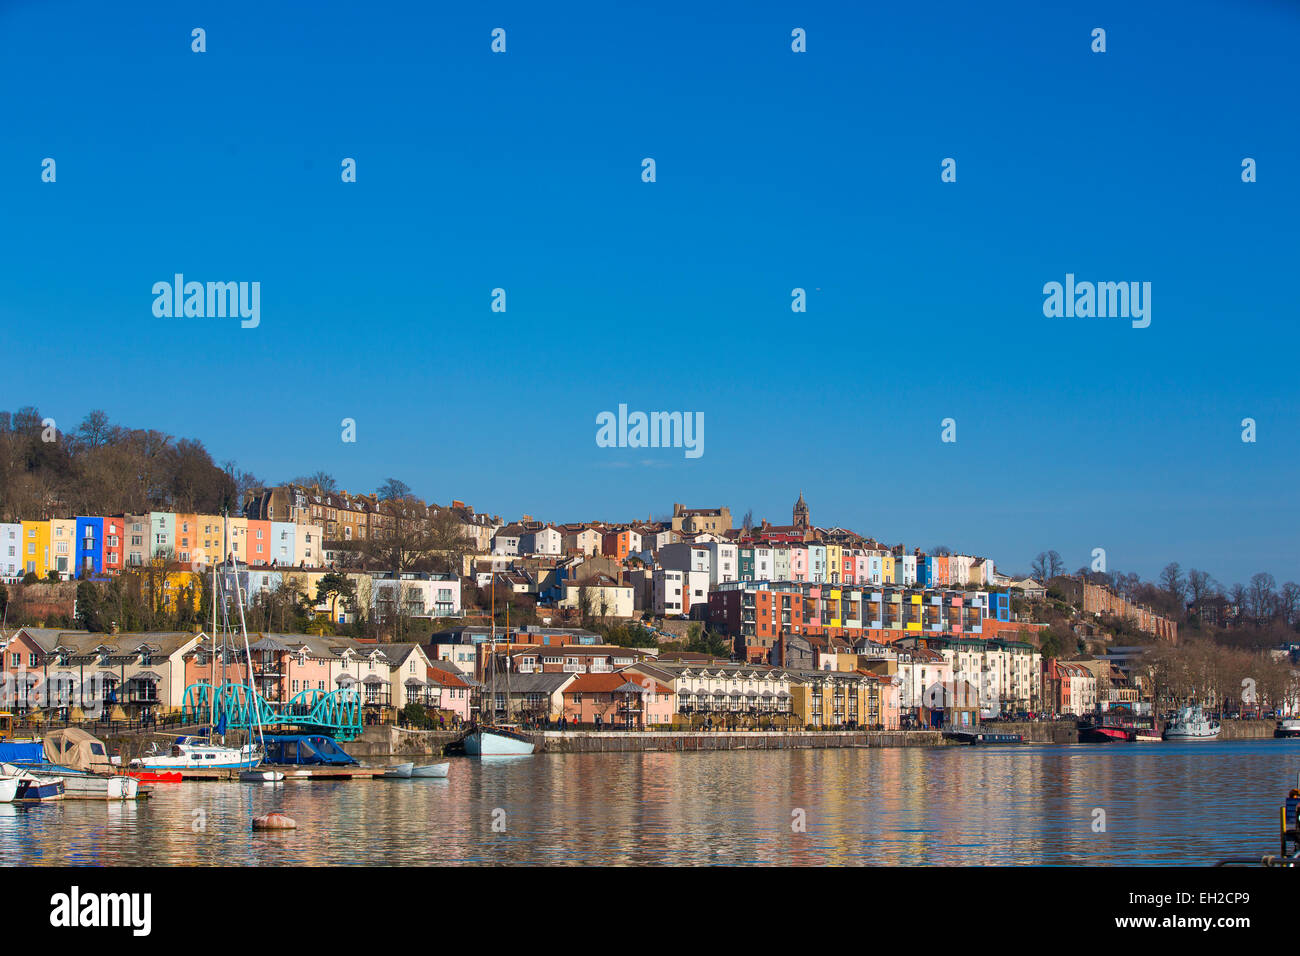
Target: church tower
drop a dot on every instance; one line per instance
(801, 513)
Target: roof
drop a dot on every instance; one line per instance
(531, 683)
(610, 684)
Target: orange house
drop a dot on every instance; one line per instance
(258, 542)
(623, 701)
(616, 544)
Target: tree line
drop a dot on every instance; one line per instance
(101, 468)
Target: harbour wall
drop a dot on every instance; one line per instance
(1246, 729)
(1036, 731)
(555, 741)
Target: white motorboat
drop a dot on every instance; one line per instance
(401, 771)
(191, 753)
(1191, 723)
(261, 776)
(1288, 727)
(8, 789)
(431, 770)
(498, 742)
(33, 787)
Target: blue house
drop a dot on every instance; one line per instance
(90, 547)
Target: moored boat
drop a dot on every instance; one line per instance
(33, 787)
(261, 776)
(191, 753)
(8, 789)
(401, 771)
(431, 770)
(498, 741)
(83, 762)
(1117, 724)
(1191, 723)
(1287, 727)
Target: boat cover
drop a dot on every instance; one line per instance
(305, 749)
(77, 750)
(22, 753)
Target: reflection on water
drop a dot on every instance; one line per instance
(1163, 803)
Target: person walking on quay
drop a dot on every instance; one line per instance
(598, 723)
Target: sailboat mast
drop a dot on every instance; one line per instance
(248, 656)
(507, 657)
(212, 649)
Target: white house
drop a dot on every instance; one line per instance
(543, 541)
(11, 552)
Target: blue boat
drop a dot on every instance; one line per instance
(306, 750)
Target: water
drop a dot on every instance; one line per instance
(1171, 803)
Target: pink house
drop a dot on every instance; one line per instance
(798, 562)
(622, 701)
(449, 689)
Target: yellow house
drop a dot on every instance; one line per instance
(237, 528)
(827, 699)
(834, 563)
(36, 548)
(887, 568)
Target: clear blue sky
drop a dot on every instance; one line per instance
(776, 170)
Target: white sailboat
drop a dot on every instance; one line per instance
(494, 739)
(1192, 723)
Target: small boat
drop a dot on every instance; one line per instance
(8, 789)
(156, 776)
(431, 770)
(82, 761)
(261, 776)
(498, 741)
(1147, 737)
(1191, 723)
(1288, 727)
(191, 753)
(401, 771)
(33, 787)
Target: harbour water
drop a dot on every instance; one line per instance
(1169, 803)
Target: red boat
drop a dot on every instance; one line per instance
(156, 776)
(1116, 725)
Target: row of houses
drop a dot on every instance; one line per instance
(545, 674)
(89, 545)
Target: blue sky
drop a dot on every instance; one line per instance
(775, 170)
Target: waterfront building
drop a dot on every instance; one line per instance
(822, 700)
(720, 689)
(756, 612)
(450, 689)
(1006, 673)
(119, 675)
(622, 700)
